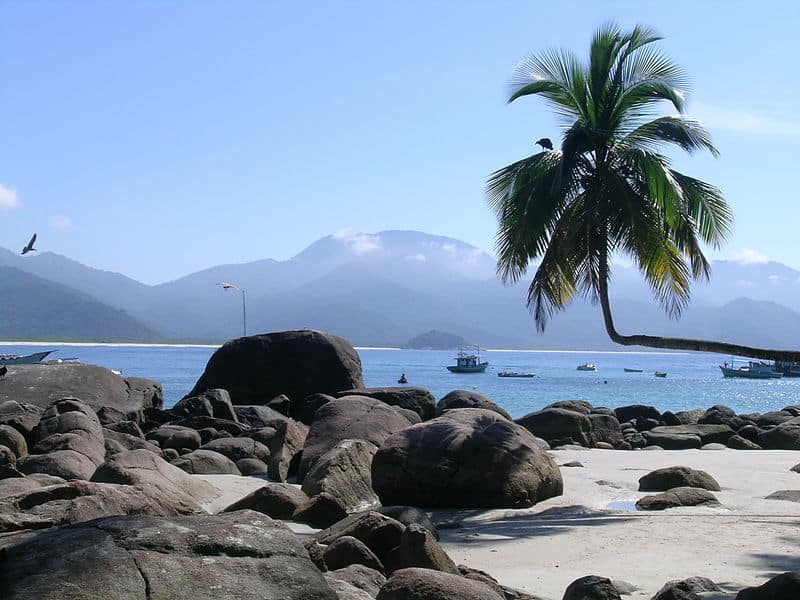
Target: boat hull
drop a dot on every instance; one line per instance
(479, 368)
(29, 359)
(747, 374)
(520, 375)
(634, 370)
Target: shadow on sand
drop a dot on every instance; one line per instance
(512, 526)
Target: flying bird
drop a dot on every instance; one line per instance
(545, 143)
(29, 247)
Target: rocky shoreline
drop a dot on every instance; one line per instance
(100, 488)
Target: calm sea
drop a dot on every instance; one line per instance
(693, 380)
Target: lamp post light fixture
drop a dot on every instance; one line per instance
(231, 286)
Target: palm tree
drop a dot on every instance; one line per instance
(609, 190)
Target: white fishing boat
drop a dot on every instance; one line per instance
(752, 370)
(515, 374)
(587, 367)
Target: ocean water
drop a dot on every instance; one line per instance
(693, 380)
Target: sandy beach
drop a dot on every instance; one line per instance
(542, 549)
(593, 527)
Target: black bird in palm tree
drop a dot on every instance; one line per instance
(29, 247)
(545, 143)
(3, 371)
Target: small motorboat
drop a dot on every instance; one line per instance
(403, 379)
(587, 367)
(27, 359)
(515, 374)
(660, 374)
(627, 370)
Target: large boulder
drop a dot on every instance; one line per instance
(580, 406)
(346, 551)
(349, 417)
(418, 399)
(258, 368)
(468, 399)
(96, 386)
(75, 501)
(605, 428)
(117, 441)
(276, 500)
(468, 457)
(159, 479)
(558, 425)
(323, 510)
(13, 440)
(359, 576)
(241, 555)
(785, 586)
(636, 411)
(667, 478)
(345, 472)
(428, 584)
(257, 416)
(671, 441)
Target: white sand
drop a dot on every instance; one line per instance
(543, 549)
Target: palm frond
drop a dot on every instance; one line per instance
(679, 130)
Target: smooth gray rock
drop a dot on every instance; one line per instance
(359, 576)
(238, 448)
(158, 479)
(591, 587)
(559, 424)
(349, 417)
(427, 584)
(707, 433)
(416, 399)
(786, 495)
(258, 416)
(686, 589)
(408, 515)
(174, 436)
(380, 533)
(785, 586)
(676, 497)
(41, 384)
(241, 555)
(206, 462)
(785, 436)
(468, 399)
(285, 449)
(13, 440)
(323, 510)
(22, 417)
(346, 551)
(252, 466)
(276, 500)
(418, 548)
(672, 441)
(345, 472)
(211, 403)
(258, 368)
(675, 477)
(468, 457)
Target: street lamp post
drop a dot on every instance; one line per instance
(230, 286)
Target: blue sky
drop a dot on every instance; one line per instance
(158, 138)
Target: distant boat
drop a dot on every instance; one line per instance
(27, 359)
(752, 370)
(466, 362)
(660, 374)
(627, 370)
(515, 374)
(587, 367)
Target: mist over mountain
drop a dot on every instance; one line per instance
(385, 288)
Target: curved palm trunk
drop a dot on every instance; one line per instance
(654, 341)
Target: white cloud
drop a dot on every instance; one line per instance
(359, 243)
(61, 222)
(417, 257)
(449, 248)
(774, 277)
(748, 256)
(8, 197)
(745, 121)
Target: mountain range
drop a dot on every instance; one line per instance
(379, 289)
